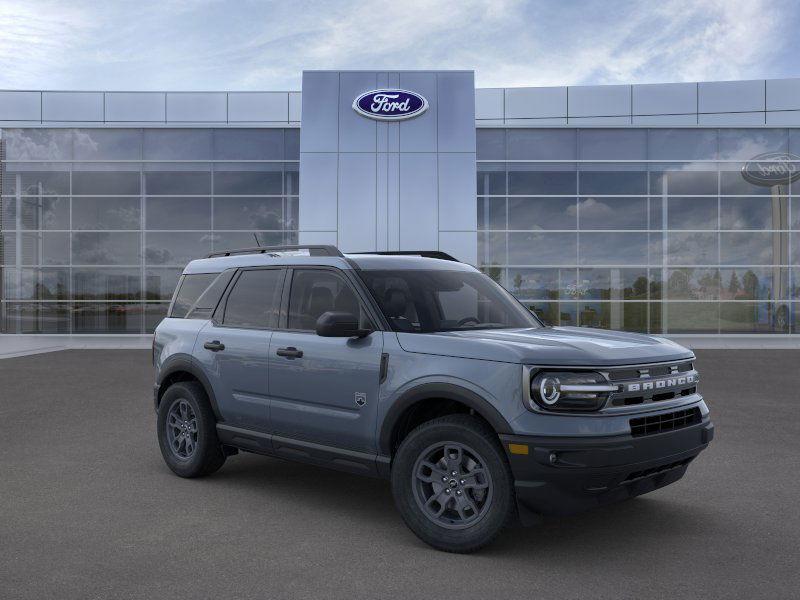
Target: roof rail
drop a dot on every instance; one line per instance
(423, 253)
(313, 250)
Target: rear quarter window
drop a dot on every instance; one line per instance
(198, 294)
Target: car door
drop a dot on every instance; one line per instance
(323, 389)
(233, 347)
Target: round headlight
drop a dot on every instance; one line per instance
(549, 390)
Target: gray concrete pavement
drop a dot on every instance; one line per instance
(88, 509)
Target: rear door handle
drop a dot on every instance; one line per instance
(290, 352)
(214, 346)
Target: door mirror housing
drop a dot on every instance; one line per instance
(340, 324)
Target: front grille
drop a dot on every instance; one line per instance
(652, 371)
(665, 422)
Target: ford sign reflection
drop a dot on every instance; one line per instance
(772, 168)
(390, 105)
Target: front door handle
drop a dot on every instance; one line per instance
(214, 346)
(290, 352)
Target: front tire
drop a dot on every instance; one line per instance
(452, 483)
(187, 432)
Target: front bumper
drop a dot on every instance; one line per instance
(564, 475)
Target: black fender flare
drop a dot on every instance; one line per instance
(446, 391)
(184, 363)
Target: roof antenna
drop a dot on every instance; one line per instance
(255, 235)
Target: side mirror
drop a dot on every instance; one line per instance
(340, 324)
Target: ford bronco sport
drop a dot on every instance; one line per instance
(418, 368)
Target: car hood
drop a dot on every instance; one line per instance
(568, 346)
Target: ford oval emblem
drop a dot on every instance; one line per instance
(390, 105)
(772, 168)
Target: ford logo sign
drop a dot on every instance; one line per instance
(772, 168)
(390, 105)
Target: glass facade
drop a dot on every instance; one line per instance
(97, 224)
(648, 230)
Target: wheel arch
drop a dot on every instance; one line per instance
(181, 368)
(422, 395)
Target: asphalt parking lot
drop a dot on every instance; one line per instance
(89, 510)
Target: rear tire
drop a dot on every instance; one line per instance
(187, 432)
(461, 512)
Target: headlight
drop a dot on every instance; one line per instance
(567, 390)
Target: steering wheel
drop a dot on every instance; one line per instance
(466, 320)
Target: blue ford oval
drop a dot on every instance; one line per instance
(390, 105)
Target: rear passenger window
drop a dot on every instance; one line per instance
(191, 287)
(254, 299)
(316, 292)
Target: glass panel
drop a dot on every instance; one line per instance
(673, 180)
(733, 182)
(48, 317)
(174, 212)
(107, 144)
(692, 248)
(691, 317)
(490, 144)
(36, 284)
(491, 213)
(547, 249)
(541, 144)
(612, 144)
(176, 248)
(160, 283)
(178, 144)
(106, 213)
(492, 248)
(497, 274)
(8, 214)
(613, 249)
(693, 284)
(613, 182)
(613, 284)
(542, 284)
(745, 144)
(316, 292)
(291, 144)
(118, 183)
(107, 318)
(249, 239)
(44, 212)
(754, 283)
(754, 213)
(746, 317)
(628, 316)
(547, 312)
(291, 179)
(527, 180)
(753, 248)
(249, 182)
(154, 313)
(612, 213)
(692, 213)
(491, 179)
(248, 213)
(192, 287)
(248, 144)
(106, 284)
(682, 144)
(542, 213)
(103, 248)
(36, 182)
(38, 144)
(48, 248)
(177, 183)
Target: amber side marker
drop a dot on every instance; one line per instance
(518, 448)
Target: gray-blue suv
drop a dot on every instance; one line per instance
(420, 369)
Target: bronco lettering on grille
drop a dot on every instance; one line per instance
(659, 384)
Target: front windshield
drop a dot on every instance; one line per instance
(432, 300)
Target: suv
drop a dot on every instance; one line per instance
(417, 368)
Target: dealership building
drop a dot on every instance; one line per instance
(662, 208)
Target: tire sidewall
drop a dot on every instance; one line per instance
(470, 432)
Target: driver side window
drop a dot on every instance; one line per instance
(315, 292)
